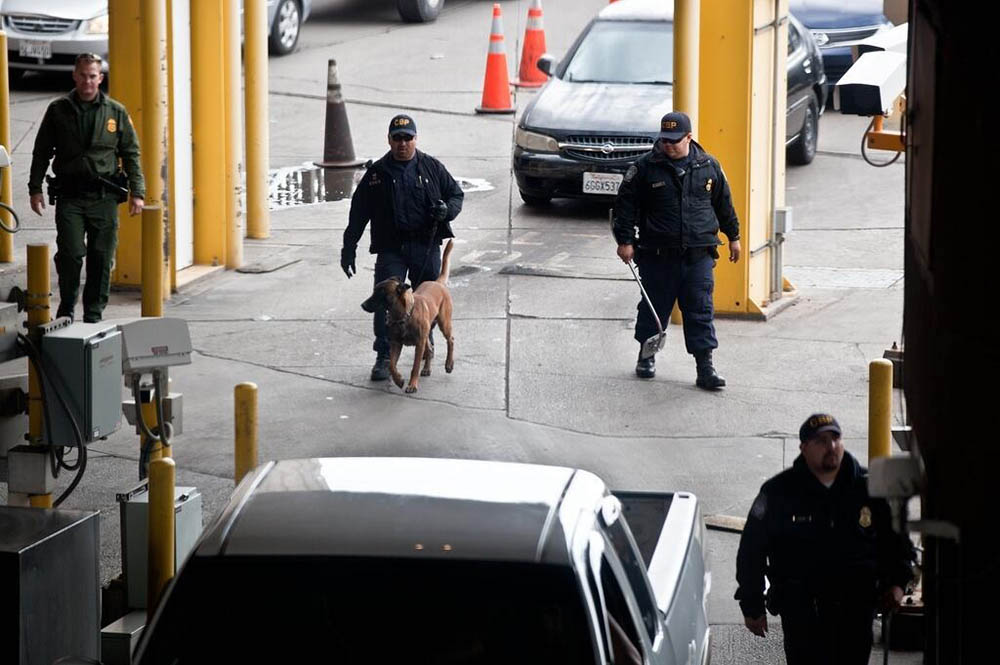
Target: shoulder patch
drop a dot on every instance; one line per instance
(759, 508)
(632, 170)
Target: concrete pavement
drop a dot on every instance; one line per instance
(543, 364)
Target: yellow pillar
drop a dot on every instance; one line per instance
(153, 81)
(234, 133)
(161, 530)
(258, 217)
(152, 261)
(245, 418)
(209, 132)
(39, 285)
(738, 121)
(125, 65)
(170, 221)
(7, 187)
(879, 408)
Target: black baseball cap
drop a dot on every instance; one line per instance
(674, 126)
(816, 423)
(402, 124)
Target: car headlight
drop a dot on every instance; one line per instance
(534, 141)
(821, 37)
(97, 26)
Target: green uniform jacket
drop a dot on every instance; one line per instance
(78, 162)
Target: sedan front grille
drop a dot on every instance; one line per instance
(42, 25)
(839, 35)
(606, 148)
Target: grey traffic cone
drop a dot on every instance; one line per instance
(338, 148)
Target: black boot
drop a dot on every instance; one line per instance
(380, 370)
(708, 378)
(645, 368)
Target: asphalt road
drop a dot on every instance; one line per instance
(544, 364)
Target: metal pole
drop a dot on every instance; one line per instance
(152, 261)
(161, 531)
(879, 408)
(153, 29)
(7, 188)
(38, 314)
(245, 402)
(258, 217)
(234, 133)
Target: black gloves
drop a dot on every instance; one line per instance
(439, 211)
(347, 261)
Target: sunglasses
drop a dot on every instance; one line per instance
(674, 141)
(401, 138)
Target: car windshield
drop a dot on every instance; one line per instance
(624, 52)
(372, 610)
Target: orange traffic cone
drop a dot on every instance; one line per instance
(496, 86)
(530, 76)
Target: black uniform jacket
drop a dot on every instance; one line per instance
(813, 542)
(374, 197)
(673, 211)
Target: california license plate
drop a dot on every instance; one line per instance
(601, 183)
(33, 48)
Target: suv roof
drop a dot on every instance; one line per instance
(406, 507)
(638, 10)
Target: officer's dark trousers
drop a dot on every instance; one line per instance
(96, 220)
(828, 633)
(417, 260)
(686, 279)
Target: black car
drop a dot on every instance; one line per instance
(602, 106)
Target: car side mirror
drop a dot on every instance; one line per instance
(547, 64)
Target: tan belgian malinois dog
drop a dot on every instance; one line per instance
(411, 314)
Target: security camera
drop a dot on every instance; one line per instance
(886, 40)
(152, 342)
(872, 84)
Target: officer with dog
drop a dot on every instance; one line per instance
(410, 199)
(87, 133)
(670, 207)
(827, 548)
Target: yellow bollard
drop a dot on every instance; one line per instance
(153, 31)
(232, 66)
(245, 416)
(38, 313)
(7, 188)
(879, 409)
(161, 531)
(152, 261)
(256, 105)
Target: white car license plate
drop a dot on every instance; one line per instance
(32, 48)
(601, 183)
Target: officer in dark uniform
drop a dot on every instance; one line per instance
(88, 133)
(410, 199)
(667, 218)
(827, 548)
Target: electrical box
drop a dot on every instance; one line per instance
(83, 363)
(134, 507)
(51, 585)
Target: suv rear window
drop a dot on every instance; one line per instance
(350, 610)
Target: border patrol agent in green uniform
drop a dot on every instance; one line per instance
(87, 132)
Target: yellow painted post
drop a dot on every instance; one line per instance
(39, 313)
(152, 261)
(258, 217)
(125, 67)
(879, 408)
(208, 132)
(161, 530)
(170, 221)
(154, 81)
(7, 187)
(245, 417)
(234, 133)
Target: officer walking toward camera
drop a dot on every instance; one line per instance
(88, 133)
(667, 217)
(410, 199)
(827, 548)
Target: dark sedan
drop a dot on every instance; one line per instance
(601, 109)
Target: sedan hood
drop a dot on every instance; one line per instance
(833, 14)
(565, 108)
(70, 9)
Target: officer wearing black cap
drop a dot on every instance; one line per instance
(410, 199)
(667, 217)
(828, 550)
